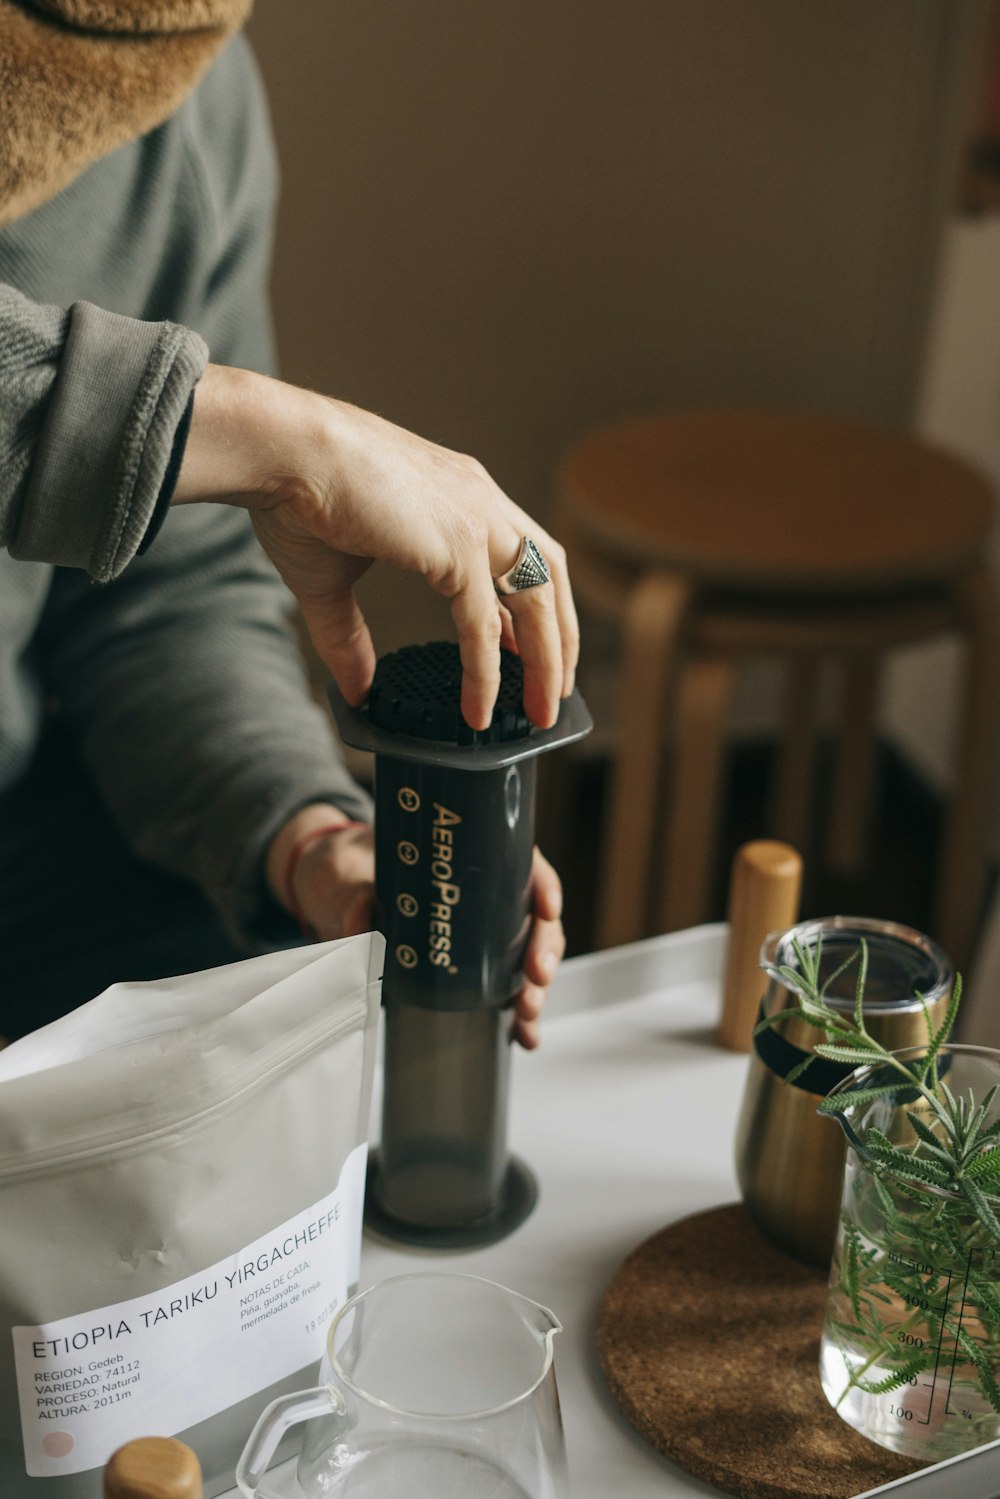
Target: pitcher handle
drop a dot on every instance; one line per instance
(274, 1421)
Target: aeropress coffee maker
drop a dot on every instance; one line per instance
(454, 833)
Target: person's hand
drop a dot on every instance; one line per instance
(332, 488)
(546, 946)
(321, 869)
(332, 885)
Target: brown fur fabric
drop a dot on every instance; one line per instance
(90, 75)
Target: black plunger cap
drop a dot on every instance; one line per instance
(418, 691)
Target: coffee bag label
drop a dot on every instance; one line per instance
(161, 1363)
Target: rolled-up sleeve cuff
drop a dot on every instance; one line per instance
(119, 398)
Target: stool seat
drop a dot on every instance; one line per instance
(708, 536)
(761, 498)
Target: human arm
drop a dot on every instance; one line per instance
(90, 404)
(330, 488)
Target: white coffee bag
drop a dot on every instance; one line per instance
(181, 1187)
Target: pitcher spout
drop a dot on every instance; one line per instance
(540, 1319)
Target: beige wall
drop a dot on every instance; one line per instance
(505, 220)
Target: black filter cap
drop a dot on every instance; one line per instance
(417, 691)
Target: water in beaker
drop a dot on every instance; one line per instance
(910, 1350)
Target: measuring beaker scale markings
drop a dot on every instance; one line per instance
(935, 1390)
(910, 1349)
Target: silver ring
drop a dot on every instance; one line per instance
(529, 571)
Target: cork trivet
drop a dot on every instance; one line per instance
(709, 1341)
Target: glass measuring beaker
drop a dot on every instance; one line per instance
(910, 1349)
(437, 1386)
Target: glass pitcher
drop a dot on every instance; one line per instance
(437, 1386)
(910, 1349)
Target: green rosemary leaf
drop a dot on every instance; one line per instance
(922, 1128)
(846, 1334)
(884, 1196)
(833, 1106)
(986, 1164)
(901, 1163)
(769, 1020)
(898, 1377)
(978, 1356)
(944, 1030)
(978, 1120)
(927, 1017)
(975, 1196)
(944, 1115)
(860, 1054)
(852, 1267)
(913, 1169)
(988, 1098)
(843, 967)
(796, 980)
(984, 1293)
(859, 989)
(929, 1138)
(799, 1068)
(808, 960)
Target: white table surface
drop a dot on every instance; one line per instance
(627, 1115)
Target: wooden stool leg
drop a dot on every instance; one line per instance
(852, 785)
(692, 809)
(962, 872)
(790, 817)
(653, 617)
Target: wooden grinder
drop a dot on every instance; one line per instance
(764, 894)
(153, 1468)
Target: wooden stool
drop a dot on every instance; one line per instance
(710, 536)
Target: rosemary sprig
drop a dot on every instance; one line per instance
(918, 1257)
(958, 1158)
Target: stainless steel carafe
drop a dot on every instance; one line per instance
(789, 1160)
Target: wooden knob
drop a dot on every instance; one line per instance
(764, 894)
(153, 1468)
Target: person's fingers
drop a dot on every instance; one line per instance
(536, 627)
(508, 640)
(544, 953)
(333, 883)
(545, 949)
(476, 614)
(546, 887)
(569, 626)
(356, 916)
(527, 1033)
(546, 629)
(531, 1001)
(338, 630)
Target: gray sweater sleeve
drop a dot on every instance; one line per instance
(183, 688)
(89, 405)
(179, 680)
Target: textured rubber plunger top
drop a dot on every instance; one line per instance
(418, 691)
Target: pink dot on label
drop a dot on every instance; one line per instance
(58, 1444)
